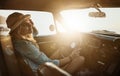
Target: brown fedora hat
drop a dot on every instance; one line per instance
(15, 19)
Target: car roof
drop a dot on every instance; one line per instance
(54, 5)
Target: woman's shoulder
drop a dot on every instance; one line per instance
(23, 43)
(15, 41)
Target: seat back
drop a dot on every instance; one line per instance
(3, 68)
(15, 63)
(9, 56)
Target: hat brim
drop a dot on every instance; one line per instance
(19, 22)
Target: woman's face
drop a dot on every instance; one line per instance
(26, 27)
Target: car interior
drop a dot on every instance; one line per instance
(101, 49)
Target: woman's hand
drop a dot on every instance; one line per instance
(72, 56)
(75, 54)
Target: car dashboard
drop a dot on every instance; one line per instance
(101, 52)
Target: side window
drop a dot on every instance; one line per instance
(43, 21)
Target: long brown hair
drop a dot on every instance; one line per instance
(16, 35)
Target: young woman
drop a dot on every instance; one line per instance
(22, 30)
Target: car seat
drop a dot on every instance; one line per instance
(17, 65)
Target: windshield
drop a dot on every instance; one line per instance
(78, 20)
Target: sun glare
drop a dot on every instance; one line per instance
(75, 20)
(78, 20)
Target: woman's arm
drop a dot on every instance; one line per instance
(65, 60)
(68, 59)
(28, 50)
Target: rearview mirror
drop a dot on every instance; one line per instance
(97, 14)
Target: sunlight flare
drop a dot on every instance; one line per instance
(75, 20)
